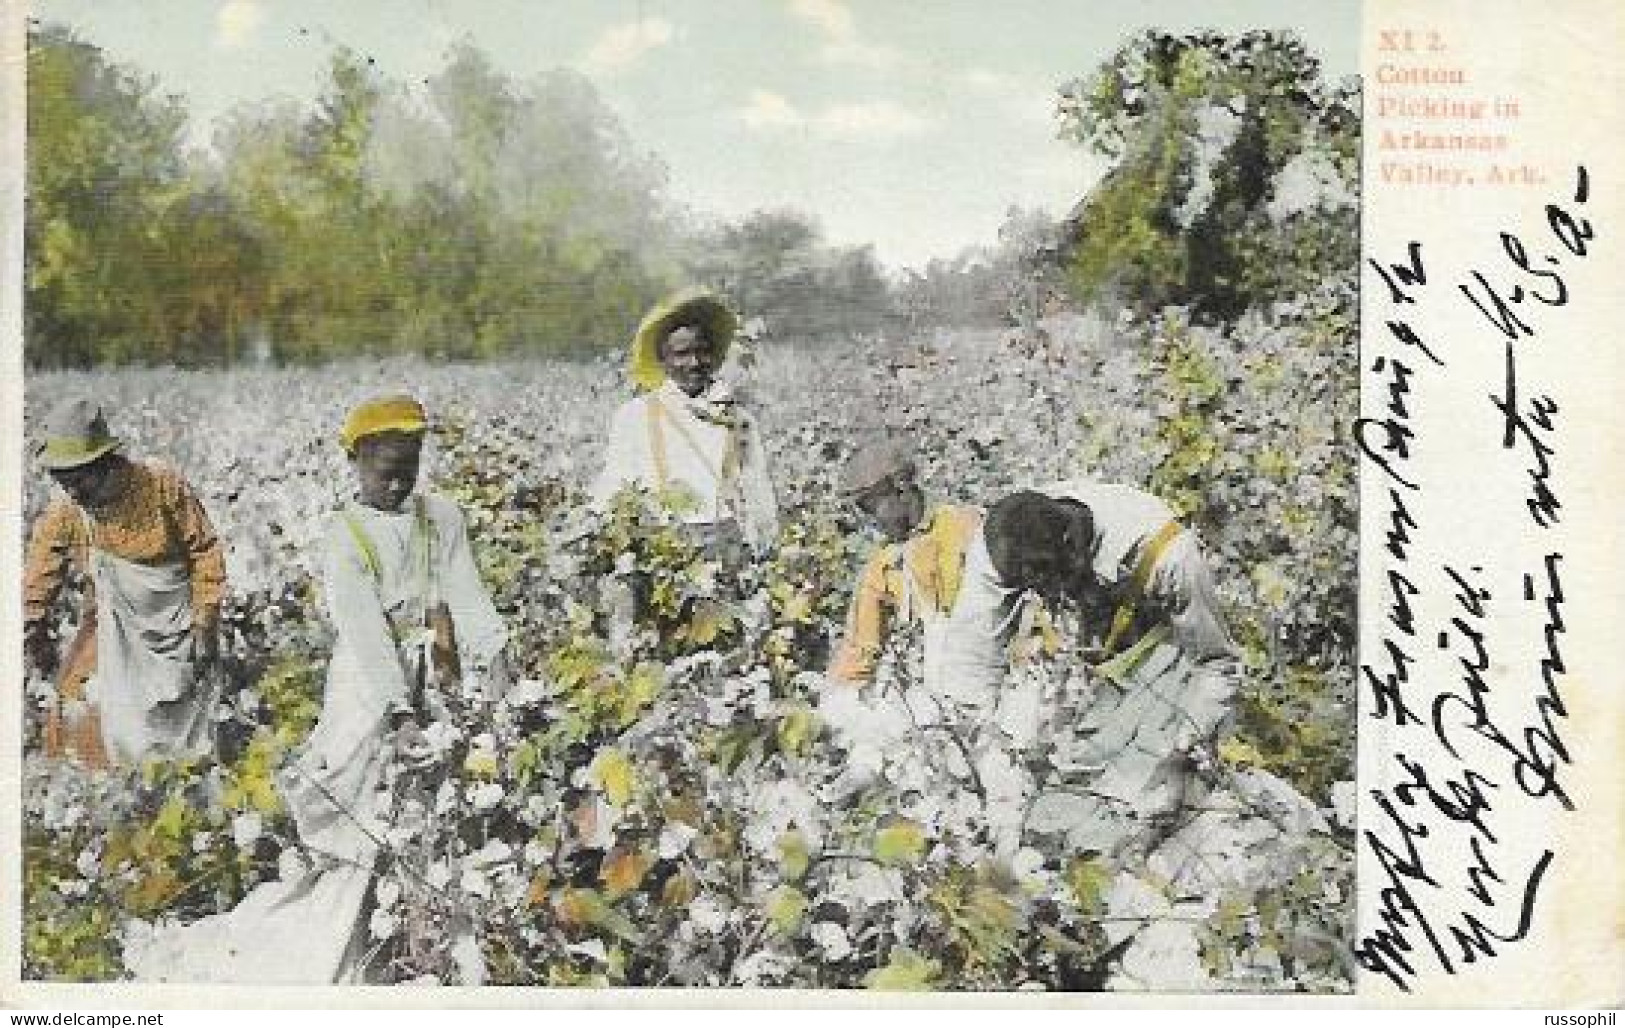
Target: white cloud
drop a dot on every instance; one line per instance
(621, 46)
(769, 110)
(236, 21)
(854, 51)
(876, 118)
(842, 44)
(830, 17)
(986, 80)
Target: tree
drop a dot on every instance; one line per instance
(777, 266)
(104, 164)
(474, 216)
(1201, 129)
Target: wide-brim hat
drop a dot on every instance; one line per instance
(398, 413)
(698, 307)
(75, 435)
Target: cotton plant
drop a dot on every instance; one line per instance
(669, 794)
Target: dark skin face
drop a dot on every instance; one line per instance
(896, 506)
(690, 360)
(387, 467)
(93, 486)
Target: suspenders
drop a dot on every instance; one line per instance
(658, 418)
(1123, 619)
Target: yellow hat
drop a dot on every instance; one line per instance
(75, 434)
(697, 307)
(383, 414)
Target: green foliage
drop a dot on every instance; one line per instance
(475, 216)
(1256, 459)
(664, 799)
(181, 839)
(1285, 720)
(129, 256)
(905, 971)
(1201, 129)
(774, 263)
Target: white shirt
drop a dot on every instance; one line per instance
(367, 677)
(665, 440)
(1126, 519)
(970, 657)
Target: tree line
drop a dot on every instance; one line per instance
(476, 214)
(472, 216)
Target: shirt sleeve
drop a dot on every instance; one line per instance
(1182, 585)
(481, 632)
(971, 654)
(623, 454)
(357, 614)
(866, 623)
(204, 557)
(50, 550)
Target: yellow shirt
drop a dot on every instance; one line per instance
(912, 579)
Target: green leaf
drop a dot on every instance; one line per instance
(642, 686)
(170, 821)
(785, 908)
(797, 729)
(614, 774)
(525, 761)
(905, 971)
(1240, 753)
(793, 857)
(899, 844)
(708, 622)
(587, 906)
(1088, 878)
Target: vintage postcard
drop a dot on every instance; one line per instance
(1036, 503)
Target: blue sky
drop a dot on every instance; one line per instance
(909, 124)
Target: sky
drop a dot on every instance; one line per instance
(912, 125)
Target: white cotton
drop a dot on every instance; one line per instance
(475, 882)
(707, 915)
(831, 940)
(592, 949)
(470, 962)
(675, 838)
(383, 924)
(246, 828)
(1345, 804)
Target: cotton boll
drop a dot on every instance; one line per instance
(246, 829)
(831, 940)
(674, 840)
(383, 924)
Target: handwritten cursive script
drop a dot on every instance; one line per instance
(1472, 725)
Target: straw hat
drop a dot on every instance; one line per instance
(874, 463)
(76, 434)
(398, 413)
(705, 310)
